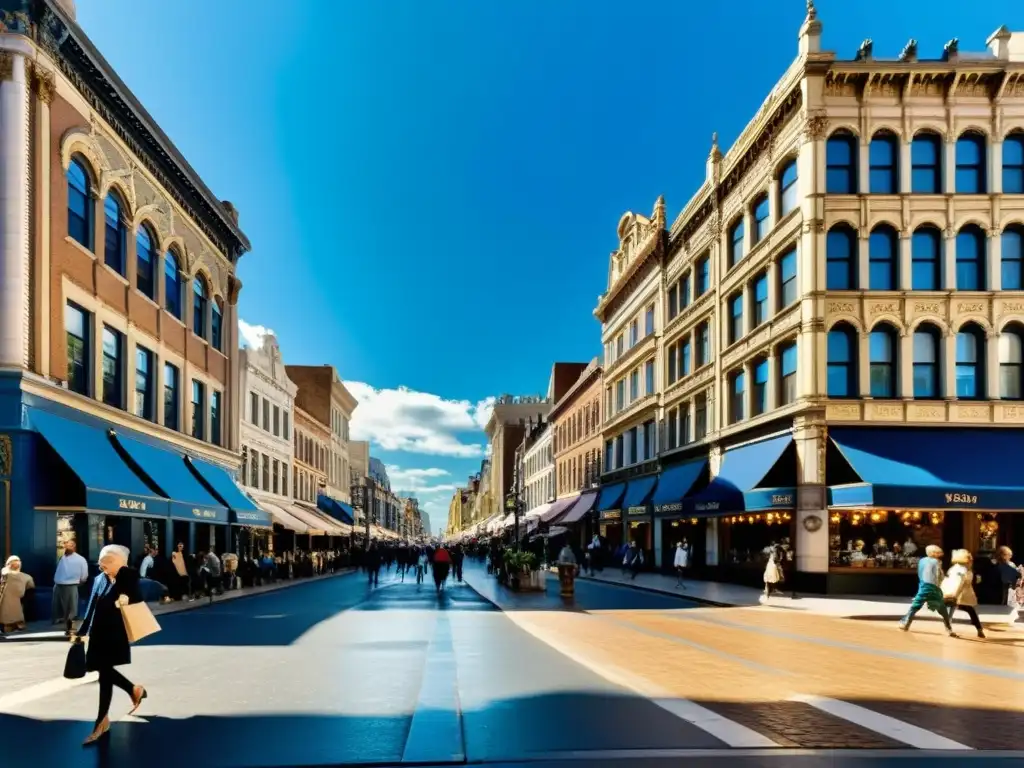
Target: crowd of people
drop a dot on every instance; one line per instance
(412, 561)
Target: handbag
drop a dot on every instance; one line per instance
(139, 621)
(74, 665)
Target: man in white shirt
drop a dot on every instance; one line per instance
(147, 563)
(72, 571)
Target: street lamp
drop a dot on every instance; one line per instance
(512, 506)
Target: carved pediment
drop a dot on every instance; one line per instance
(637, 237)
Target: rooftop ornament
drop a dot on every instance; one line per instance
(909, 52)
(864, 52)
(812, 12)
(951, 49)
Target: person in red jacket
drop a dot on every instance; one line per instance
(442, 562)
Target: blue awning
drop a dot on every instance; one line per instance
(242, 509)
(167, 470)
(334, 508)
(611, 497)
(931, 468)
(675, 482)
(110, 484)
(734, 488)
(638, 491)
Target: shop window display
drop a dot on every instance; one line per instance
(882, 539)
(65, 532)
(752, 537)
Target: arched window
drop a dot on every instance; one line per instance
(172, 284)
(883, 259)
(926, 164)
(1012, 266)
(841, 164)
(787, 188)
(926, 259)
(216, 320)
(926, 362)
(883, 160)
(1013, 164)
(80, 208)
(145, 279)
(970, 164)
(842, 361)
(761, 210)
(882, 346)
(841, 258)
(114, 234)
(736, 242)
(1011, 363)
(970, 362)
(199, 306)
(970, 259)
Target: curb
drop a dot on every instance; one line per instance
(56, 635)
(659, 591)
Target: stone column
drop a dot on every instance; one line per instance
(905, 364)
(772, 388)
(992, 388)
(949, 261)
(906, 281)
(949, 167)
(774, 297)
(994, 166)
(864, 164)
(232, 416)
(812, 538)
(864, 364)
(906, 167)
(44, 88)
(774, 207)
(863, 258)
(748, 390)
(14, 209)
(994, 258)
(949, 366)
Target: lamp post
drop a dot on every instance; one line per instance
(512, 507)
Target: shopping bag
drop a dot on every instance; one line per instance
(139, 621)
(74, 666)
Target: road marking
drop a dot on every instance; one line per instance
(10, 702)
(728, 731)
(435, 733)
(883, 724)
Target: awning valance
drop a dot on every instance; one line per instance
(334, 509)
(584, 504)
(282, 517)
(559, 507)
(242, 510)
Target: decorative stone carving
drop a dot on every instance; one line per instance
(842, 412)
(715, 460)
(234, 289)
(909, 52)
(822, 448)
(43, 84)
(815, 127)
(6, 66)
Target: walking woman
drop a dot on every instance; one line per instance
(116, 586)
(958, 588)
(442, 564)
(1012, 579)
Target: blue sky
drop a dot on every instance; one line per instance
(432, 187)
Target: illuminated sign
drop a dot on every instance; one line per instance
(782, 499)
(611, 514)
(255, 516)
(710, 506)
(961, 498)
(670, 508)
(637, 510)
(132, 505)
(204, 514)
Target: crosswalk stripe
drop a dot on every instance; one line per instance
(895, 729)
(723, 729)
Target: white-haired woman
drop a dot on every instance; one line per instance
(13, 586)
(116, 586)
(958, 588)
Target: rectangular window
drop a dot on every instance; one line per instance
(620, 394)
(266, 415)
(215, 326)
(684, 424)
(649, 377)
(684, 359)
(761, 223)
(760, 393)
(254, 408)
(703, 279)
(170, 396)
(684, 291)
(673, 427)
(703, 344)
(634, 333)
(609, 455)
(198, 409)
(788, 370)
(284, 479)
(277, 421)
(76, 331)
(286, 427)
(113, 344)
(266, 473)
(760, 297)
(736, 398)
(144, 384)
(620, 346)
(620, 459)
(736, 318)
(215, 412)
(787, 276)
(649, 321)
(673, 301)
(634, 384)
(650, 444)
(254, 469)
(672, 353)
(276, 475)
(700, 417)
(631, 446)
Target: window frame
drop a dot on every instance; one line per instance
(884, 173)
(883, 238)
(197, 428)
(975, 267)
(141, 286)
(1011, 259)
(147, 410)
(851, 385)
(934, 236)
(761, 213)
(970, 176)
(1013, 172)
(737, 239)
(112, 389)
(172, 396)
(172, 284)
(977, 366)
(115, 238)
(890, 366)
(932, 367)
(1012, 369)
(84, 346)
(832, 239)
(83, 219)
(841, 177)
(788, 199)
(930, 170)
(788, 379)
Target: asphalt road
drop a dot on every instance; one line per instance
(336, 673)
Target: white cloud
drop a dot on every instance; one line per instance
(403, 419)
(417, 481)
(252, 335)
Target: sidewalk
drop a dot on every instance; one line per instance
(736, 596)
(44, 629)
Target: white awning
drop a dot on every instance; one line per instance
(539, 511)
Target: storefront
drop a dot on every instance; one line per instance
(636, 505)
(250, 526)
(579, 511)
(749, 504)
(893, 492)
(609, 515)
(671, 525)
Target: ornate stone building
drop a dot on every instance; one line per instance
(118, 322)
(843, 309)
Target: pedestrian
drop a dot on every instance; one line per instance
(13, 586)
(773, 574)
(634, 559)
(72, 571)
(422, 562)
(929, 575)
(116, 586)
(457, 558)
(442, 564)
(373, 558)
(593, 554)
(180, 590)
(681, 562)
(1011, 578)
(958, 588)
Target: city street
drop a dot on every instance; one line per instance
(336, 673)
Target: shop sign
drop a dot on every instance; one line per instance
(782, 499)
(204, 514)
(961, 498)
(671, 507)
(131, 505)
(254, 516)
(637, 510)
(611, 514)
(707, 506)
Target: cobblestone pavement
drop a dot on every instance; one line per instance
(333, 672)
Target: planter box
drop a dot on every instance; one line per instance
(532, 581)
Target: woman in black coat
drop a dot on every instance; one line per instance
(116, 585)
